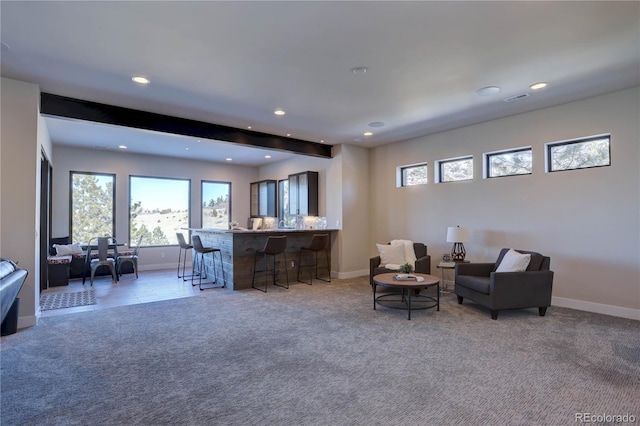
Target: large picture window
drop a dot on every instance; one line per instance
(158, 208)
(512, 162)
(216, 204)
(579, 153)
(92, 198)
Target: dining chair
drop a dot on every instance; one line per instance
(131, 258)
(103, 258)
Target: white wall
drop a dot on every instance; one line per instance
(19, 173)
(123, 164)
(586, 220)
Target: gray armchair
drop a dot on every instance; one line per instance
(423, 263)
(506, 290)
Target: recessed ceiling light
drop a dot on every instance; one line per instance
(267, 156)
(359, 70)
(321, 140)
(140, 80)
(487, 91)
(367, 134)
(249, 127)
(279, 112)
(186, 149)
(376, 124)
(288, 134)
(537, 86)
(122, 146)
(229, 159)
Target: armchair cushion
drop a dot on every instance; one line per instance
(422, 264)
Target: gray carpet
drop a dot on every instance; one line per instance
(317, 355)
(67, 300)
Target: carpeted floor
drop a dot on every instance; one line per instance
(317, 355)
(67, 300)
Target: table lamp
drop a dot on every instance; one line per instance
(457, 235)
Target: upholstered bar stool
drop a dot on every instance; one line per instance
(273, 247)
(186, 247)
(201, 266)
(319, 242)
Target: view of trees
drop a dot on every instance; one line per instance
(216, 208)
(415, 175)
(158, 208)
(591, 153)
(510, 163)
(91, 206)
(454, 170)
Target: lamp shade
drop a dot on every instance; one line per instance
(457, 234)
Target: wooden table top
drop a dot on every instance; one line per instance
(388, 281)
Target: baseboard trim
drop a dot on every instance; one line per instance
(598, 308)
(352, 274)
(26, 322)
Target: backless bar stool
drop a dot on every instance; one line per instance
(273, 247)
(186, 247)
(202, 266)
(319, 242)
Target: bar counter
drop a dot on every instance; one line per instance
(238, 251)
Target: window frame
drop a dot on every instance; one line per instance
(202, 184)
(439, 170)
(113, 202)
(188, 180)
(401, 174)
(487, 161)
(550, 145)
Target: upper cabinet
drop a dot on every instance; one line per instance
(303, 194)
(263, 198)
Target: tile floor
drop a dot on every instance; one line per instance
(151, 286)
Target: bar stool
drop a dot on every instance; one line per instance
(273, 247)
(202, 266)
(319, 242)
(183, 246)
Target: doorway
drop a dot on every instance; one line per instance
(46, 173)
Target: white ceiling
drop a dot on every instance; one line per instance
(234, 63)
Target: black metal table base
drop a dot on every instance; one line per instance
(405, 300)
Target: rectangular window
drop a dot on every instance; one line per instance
(158, 209)
(511, 162)
(455, 169)
(285, 219)
(415, 174)
(216, 204)
(92, 204)
(579, 153)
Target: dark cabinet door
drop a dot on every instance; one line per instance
(303, 194)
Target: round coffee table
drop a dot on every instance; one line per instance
(405, 298)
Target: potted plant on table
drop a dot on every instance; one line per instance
(407, 268)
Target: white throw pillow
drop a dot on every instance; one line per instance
(391, 253)
(67, 249)
(514, 262)
(409, 252)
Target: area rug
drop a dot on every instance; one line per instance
(67, 300)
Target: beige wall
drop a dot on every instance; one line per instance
(586, 220)
(19, 173)
(124, 164)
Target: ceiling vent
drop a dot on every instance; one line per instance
(516, 97)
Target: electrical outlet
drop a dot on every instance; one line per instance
(162, 255)
(293, 263)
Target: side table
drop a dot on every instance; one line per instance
(447, 266)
